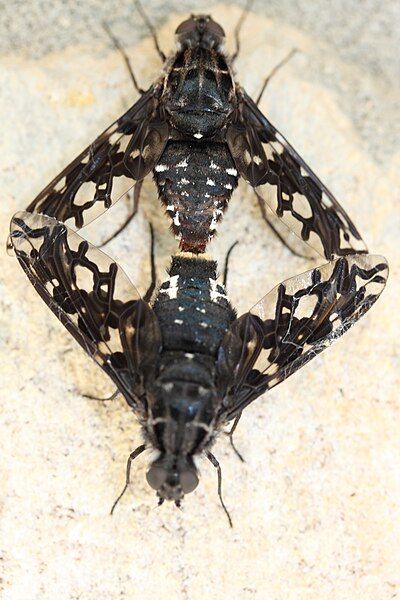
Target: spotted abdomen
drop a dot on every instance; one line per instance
(192, 309)
(195, 181)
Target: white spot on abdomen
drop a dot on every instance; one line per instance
(216, 214)
(215, 294)
(184, 163)
(172, 290)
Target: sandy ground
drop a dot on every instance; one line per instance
(316, 505)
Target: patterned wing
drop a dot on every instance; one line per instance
(92, 297)
(293, 323)
(107, 169)
(287, 185)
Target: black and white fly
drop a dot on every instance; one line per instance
(197, 130)
(186, 363)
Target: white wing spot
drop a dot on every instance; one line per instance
(198, 135)
(161, 168)
(326, 201)
(210, 182)
(303, 172)
(178, 321)
(231, 172)
(302, 206)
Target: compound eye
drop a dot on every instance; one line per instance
(215, 29)
(156, 476)
(188, 480)
(186, 26)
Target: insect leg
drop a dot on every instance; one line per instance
(136, 195)
(216, 464)
(230, 435)
(274, 71)
(131, 458)
(112, 397)
(238, 27)
(150, 27)
(124, 55)
(228, 254)
(152, 285)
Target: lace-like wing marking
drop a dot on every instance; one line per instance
(294, 322)
(91, 296)
(289, 187)
(108, 168)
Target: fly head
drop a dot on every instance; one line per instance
(172, 477)
(181, 415)
(200, 31)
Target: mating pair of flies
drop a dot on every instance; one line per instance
(184, 361)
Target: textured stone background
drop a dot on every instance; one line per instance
(316, 505)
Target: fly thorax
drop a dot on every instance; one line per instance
(200, 91)
(182, 406)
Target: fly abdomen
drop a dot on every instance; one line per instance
(195, 182)
(191, 307)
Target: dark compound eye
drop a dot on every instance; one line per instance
(188, 25)
(189, 481)
(215, 29)
(156, 476)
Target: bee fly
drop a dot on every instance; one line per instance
(197, 130)
(186, 364)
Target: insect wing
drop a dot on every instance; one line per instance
(91, 296)
(296, 321)
(107, 169)
(288, 186)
